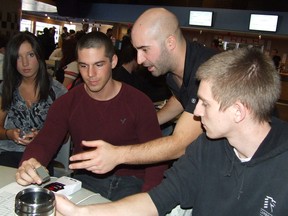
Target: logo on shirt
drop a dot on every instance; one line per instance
(193, 100)
(268, 207)
(123, 121)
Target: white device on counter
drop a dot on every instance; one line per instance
(64, 185)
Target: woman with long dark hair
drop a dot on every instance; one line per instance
(26, 93)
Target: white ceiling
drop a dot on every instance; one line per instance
(32, 5)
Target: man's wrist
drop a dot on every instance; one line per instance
(125, 152)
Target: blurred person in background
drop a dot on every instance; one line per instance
(47, 43)
(3, 43)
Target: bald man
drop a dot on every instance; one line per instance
(162, 48)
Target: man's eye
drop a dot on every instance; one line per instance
(31, 54)
(100, 65)
(82, 66)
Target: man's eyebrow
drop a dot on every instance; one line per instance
(141, 47)
(93, 63)
(201, 98)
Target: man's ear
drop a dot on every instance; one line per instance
(240, 111)
(171, 42)
(114, 61)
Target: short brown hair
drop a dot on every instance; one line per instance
(97, 40)
(244, 75)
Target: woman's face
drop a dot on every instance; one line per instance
(27, 62)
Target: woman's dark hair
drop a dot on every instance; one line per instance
(12, 78)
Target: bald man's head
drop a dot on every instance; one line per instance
(157, 22)
(158, 39)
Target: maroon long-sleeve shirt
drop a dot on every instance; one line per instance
(128, 118)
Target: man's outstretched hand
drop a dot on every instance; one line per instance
(101, 157)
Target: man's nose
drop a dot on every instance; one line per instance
(198, 111)
(140, 58)
(91, 71)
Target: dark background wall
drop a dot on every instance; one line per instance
(223, 19)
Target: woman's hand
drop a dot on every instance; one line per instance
(26, 137)
(13, 134)
(21, 137)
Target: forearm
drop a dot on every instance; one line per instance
(166, 148)
(3, 131)
(169, 111)
(106, 156)
(139, 204)
(3, 134)
(162, 149)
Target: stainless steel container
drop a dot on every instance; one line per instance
(35, 202)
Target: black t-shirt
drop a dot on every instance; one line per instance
(196, 54)
(122, 75)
